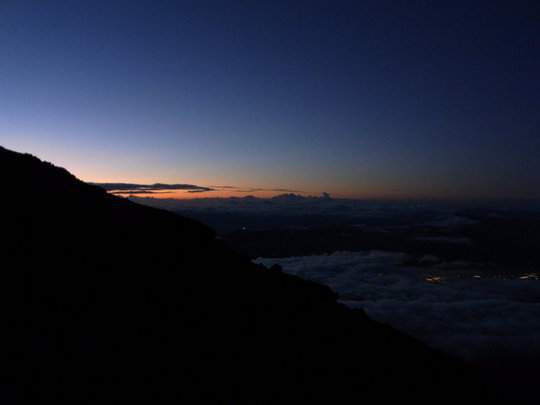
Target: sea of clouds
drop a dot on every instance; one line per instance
(475, 315)
(293, 204)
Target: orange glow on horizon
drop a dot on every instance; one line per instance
(225, 193)
(185, 195)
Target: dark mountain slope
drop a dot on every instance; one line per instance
(104, 300)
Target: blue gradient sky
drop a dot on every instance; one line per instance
(362, 99)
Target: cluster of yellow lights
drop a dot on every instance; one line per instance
(529, 276)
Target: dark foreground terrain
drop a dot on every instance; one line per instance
(104, 300)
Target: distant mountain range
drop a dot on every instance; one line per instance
(105, 300)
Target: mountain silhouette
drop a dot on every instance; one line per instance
(105, 300)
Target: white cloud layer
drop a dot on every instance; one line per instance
(476, 316)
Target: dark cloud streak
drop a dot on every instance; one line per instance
(253, 190)
(157, 188)
(131, 188)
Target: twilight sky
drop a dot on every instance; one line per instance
(363, 99)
